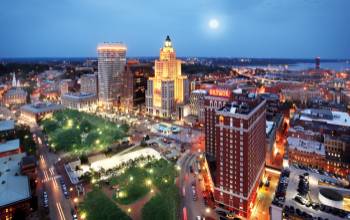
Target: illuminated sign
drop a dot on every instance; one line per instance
(220, 92)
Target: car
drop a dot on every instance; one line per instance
(222, 213)
(315, 206)
(298, 200)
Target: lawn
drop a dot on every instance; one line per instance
(98, 206)
(137, 181)
(77, 132)
(133, 185)
(165, 204)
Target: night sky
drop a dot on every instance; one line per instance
(247, 28)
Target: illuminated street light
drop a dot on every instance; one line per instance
(148, 182)
(129, 210)
(93, 181)
(83, 215)
(207, 210)
(76, 200)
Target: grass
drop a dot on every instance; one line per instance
(98, 206)
(137, 181)
(165, 204)
(77, 132)
(132, 185)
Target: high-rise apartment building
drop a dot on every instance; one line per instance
(111, 64)
(239, 153)
(168, 87)
(88, 84)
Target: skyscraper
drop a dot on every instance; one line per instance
(168, 87)
(111, 63)
(240, 153)
(317, 62)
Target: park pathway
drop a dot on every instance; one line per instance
(136, 207)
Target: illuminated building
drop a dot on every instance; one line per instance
(197, 103)
(135, 84)
(217, 98)
(15, 96)
(111, 63)
(240, 130)
(79, 101)
(32, 113)
(168, 87)
(65, 86)
(88, 84)
(338, 154)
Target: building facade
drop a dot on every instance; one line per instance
(88, 84)
(65, 86)
(197, 103)
(168, 87)
(79, 101)
(135, 84)
(217, 98)
(240, 154)
(111, 64)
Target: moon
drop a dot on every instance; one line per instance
(213, 23)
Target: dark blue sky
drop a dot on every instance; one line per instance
(248, 28)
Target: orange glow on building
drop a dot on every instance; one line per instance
(220, 92)
(168, 86)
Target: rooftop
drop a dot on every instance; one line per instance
(241, 107)
(306, 145)
(326, 116)
(7, 125)
(9, 145)
(13, 187)
(78, 95)
(41, 107)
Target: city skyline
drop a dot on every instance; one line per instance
(257, 29)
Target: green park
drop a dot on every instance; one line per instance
(154, 180)
(77, 132)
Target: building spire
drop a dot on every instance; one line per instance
(14, 81)
(167, 42)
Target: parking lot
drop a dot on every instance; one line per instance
(312, 195)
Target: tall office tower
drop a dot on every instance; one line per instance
(88, 84)
(317, 62)
(111, 63)
(168, 87)
(240, 154)
(217, 98)
(136, 75)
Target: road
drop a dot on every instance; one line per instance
(264, 198)
(59, 206)
(194, 208)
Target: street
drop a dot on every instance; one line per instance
(186, 178)
(59, 206)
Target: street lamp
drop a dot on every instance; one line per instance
(83, 215)
(76, 200)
